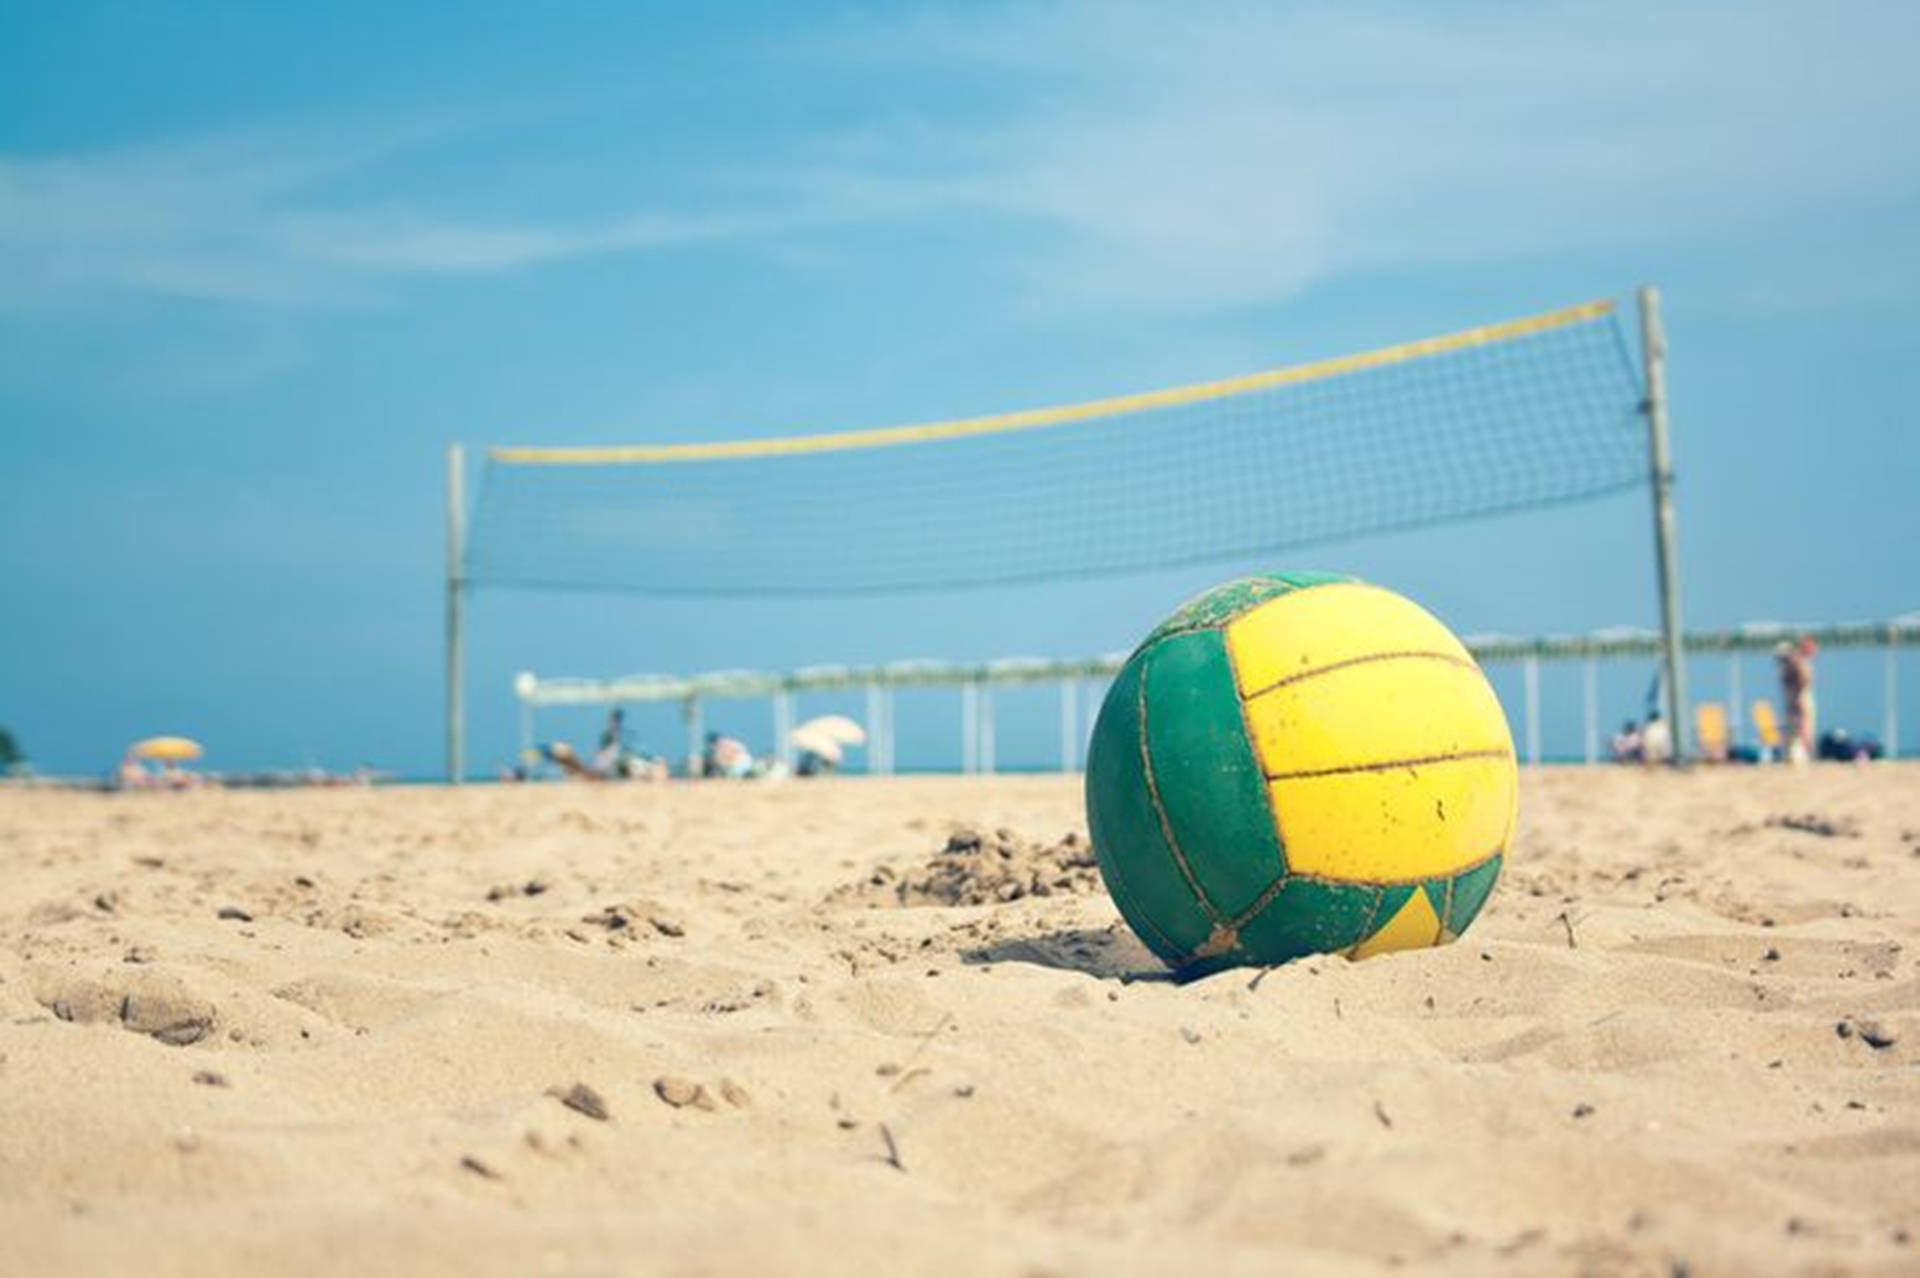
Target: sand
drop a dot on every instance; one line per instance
(719, 1028)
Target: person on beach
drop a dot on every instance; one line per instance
(726, 757)
(1796, 694)
(1656, 740)
(609, 759)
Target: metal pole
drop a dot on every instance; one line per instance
(1096, 693)
(969, 726)
(1890, 737)
(986, 729)
(886, 731)
(1653, 343)
(456, 586)
(1069, 721)
(782, 726)
(1736, 712)
(1591, 700)
(1531, 666)
(526, 730)
(873, 728)
(696, 719)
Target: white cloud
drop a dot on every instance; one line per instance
(1214, 154)
(1192, 156)
(252, 219)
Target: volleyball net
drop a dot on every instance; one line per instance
(1526, 413)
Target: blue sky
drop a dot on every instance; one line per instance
(259, 264)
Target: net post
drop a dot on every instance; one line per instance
(1890, 690)
(1530, 667)
(1590, 705)
(1653, 345)
(456, 639)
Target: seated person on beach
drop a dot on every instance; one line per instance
(607, 760)
(814, 764)
(1840, 746)
(1626, 743)
(568, 760)
(726, 757)
(1656, 740)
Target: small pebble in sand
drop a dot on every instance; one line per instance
(666, 925)
(1843, 827)
(582, 1099)
(734, 1094)
(235, 913)
(1582, 1110)
(680, 1092)
(478, 1168)
(211, 1078)
(138, 954)
(1872, 1033)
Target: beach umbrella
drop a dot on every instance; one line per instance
(836, 728)
(805, 737)
(167, 749)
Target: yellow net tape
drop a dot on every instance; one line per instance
(1033, 418)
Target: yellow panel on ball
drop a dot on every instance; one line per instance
(1414, 927)
(1309, 630)
(1372, 714)
(1397, 825)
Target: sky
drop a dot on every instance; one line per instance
(260, 264)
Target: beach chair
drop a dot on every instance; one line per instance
(1767, 728)
(1710, 731)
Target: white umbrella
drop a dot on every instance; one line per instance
(836, 728)
(805, 737)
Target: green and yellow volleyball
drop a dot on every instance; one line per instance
(1299, 764)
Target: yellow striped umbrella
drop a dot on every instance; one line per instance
(167, 749)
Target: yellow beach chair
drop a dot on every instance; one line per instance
(1767, 728)
(1710, 731)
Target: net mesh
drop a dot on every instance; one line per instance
(1528, 414)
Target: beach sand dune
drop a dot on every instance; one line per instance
(883, 1026)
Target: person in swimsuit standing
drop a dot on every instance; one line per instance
(1796, 690)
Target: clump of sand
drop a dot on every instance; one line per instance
(978, 867)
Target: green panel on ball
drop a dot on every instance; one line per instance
(1307, 916)
(1301, 580)
(1206, 778)
(1135, 859)
(1223, 603)
(1470, 891)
